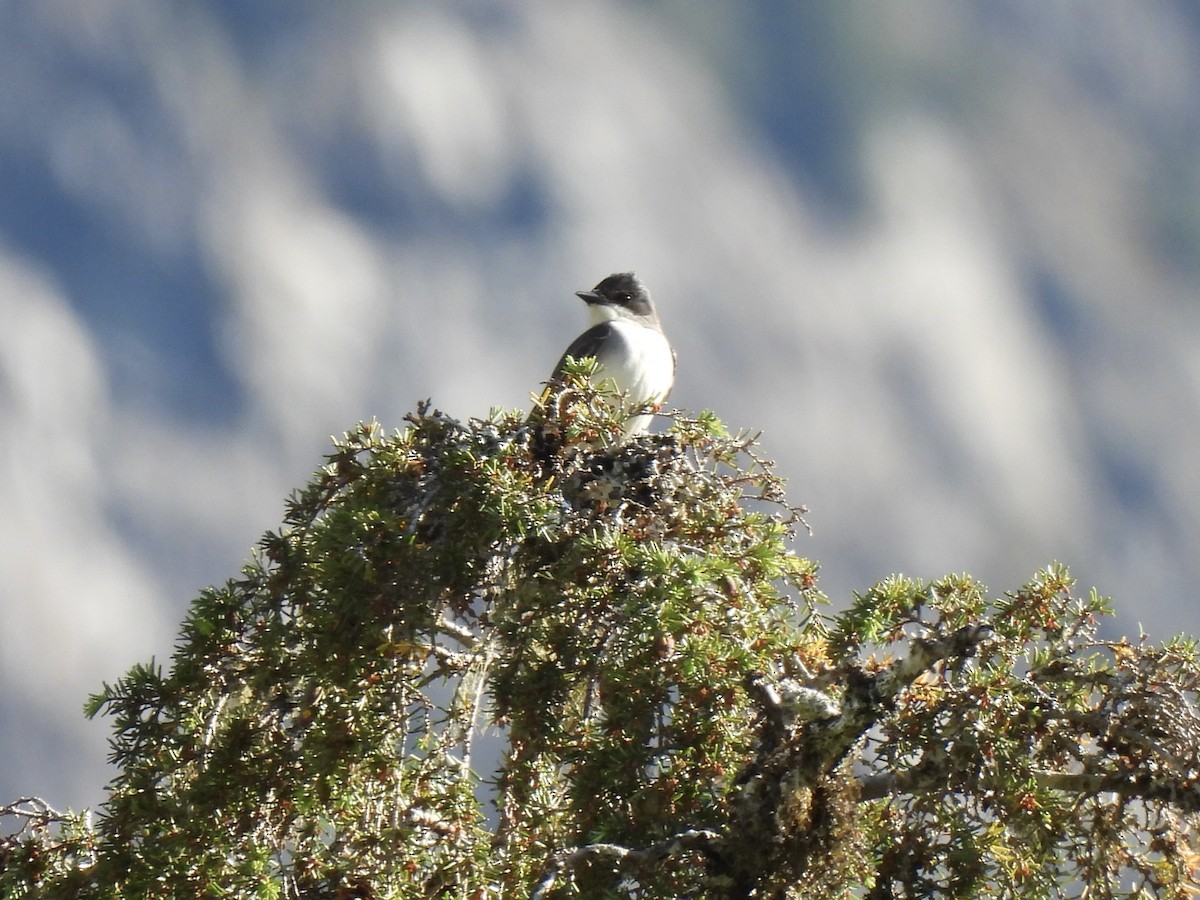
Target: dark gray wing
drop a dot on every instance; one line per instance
(596, 341)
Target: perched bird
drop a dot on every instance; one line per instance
(628, 343)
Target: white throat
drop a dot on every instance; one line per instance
(599, 313)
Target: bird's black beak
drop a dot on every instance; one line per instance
(589, 296)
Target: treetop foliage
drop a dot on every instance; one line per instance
(508, 658)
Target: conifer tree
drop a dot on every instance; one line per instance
(501, 659)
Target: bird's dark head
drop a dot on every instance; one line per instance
(623, 295)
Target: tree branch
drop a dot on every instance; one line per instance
(1179, 792)
(624, 858)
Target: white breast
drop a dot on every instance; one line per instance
(641, 365)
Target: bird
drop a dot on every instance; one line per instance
(627, 341)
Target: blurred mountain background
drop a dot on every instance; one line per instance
(945, 254)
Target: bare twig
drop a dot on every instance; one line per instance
(34, 814)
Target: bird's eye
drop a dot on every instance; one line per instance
(624, 296)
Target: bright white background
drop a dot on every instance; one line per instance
(945, 254)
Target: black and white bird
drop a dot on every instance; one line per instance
(627, 341)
